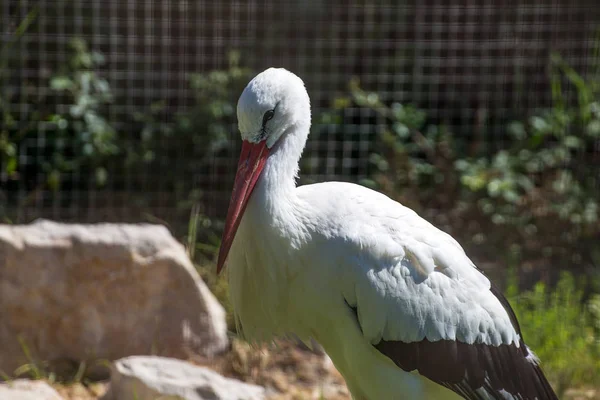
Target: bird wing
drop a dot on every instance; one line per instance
(421, 302)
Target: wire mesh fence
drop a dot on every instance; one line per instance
(473, 65)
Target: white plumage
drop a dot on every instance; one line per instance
(396, 303)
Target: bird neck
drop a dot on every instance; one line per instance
(276, 189)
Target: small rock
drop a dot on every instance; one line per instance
(79, 391)
(101, 292)
(153, 378)
(23, 389)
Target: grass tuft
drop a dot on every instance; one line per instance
(562, 329)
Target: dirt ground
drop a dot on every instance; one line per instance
(286, 370)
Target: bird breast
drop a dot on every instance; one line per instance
(259, 280)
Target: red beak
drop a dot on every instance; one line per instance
(252, 161)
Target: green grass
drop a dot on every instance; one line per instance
(53, 372)
(33, 369)
(562, 329)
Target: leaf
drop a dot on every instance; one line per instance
(540, 124)
(593, 128)
(53, 179)
(101, 176)
(340, 103)
(9, 149)
(517, 130)
(572, 142)
(401, 130)
(76, 110)
(102, 86)
(11, 165)
(61, 83)
(97, 58)
(88, 149)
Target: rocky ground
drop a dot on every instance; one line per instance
(289, 373)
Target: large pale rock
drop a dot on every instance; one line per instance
(23, 389)
(154, 378)
(105, 291)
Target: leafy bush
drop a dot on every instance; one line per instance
(206, 127)
(83, 129)
(10, 130)
(80, 138)
(561, 330)
(195, 138)
(82, 142)
(537, 194)
(546, 179)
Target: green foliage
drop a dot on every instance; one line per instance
(547, 152)
(411, 156)
(63, 371)
(193, 138)
(202, 252)
(205, 127)
(216, 95)
(537, 193)
(34, 368)
(560, 328)
(81, 142)
(594, 306)
(11, 132)
(84, 127)
(79, 138)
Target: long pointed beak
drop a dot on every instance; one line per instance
(252, 161)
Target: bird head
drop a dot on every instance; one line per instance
(274, 104)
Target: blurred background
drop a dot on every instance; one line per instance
(483, 116)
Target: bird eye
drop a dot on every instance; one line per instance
(268, 115)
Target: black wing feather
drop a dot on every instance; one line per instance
(464, 368)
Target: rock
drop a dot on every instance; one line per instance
(153, 378)
(101, 292)
(80, 391)
(23, 389)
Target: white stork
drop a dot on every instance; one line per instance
(396, 303)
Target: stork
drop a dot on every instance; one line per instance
(395, 302)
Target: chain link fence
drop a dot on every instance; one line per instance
(473, 65)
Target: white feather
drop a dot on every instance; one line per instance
(302, 255)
